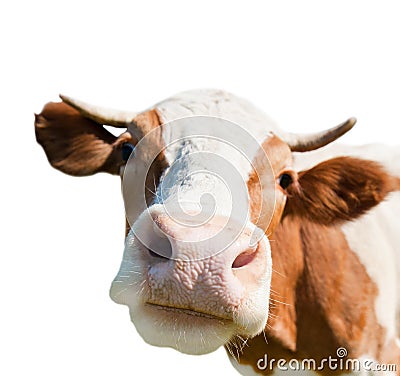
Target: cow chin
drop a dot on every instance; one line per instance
(192, 332)
(179, 329)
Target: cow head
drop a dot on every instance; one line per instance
(202, 195)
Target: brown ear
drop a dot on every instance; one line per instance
(76, 145)
(339, 189)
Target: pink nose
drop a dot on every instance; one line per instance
(195, 264)
(173, 239)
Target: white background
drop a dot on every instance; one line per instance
(308, 64)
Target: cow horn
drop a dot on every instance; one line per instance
(308, 142)
(101, 115)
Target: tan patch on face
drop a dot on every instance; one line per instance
(267, 199)
(144, 123)
(396, 183)
(288, 265)
(327, 298)
(149, 124)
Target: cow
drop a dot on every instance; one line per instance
(275, 245)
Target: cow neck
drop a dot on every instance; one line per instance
(322, 298)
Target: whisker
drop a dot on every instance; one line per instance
(228, 346)
(264, 334)
(274, 292)
(278, 301)
(282, 275)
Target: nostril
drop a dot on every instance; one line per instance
(244, 258)
(157, 255)
(160, 247)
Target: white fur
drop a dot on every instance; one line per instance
(387, 155)
(218, 103)
(201, 162)
(378, 250)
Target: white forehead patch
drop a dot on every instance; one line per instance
(209, 136)
(209, 164)
(220, 104)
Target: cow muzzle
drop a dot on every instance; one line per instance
(205, 279)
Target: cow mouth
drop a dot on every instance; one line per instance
(186, 311)
(184, 329)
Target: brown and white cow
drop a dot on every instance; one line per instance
(237, 238)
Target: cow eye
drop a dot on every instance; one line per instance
(126, 150)
(285, 180)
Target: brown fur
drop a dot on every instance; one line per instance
(288, 265)
(148, 124)
(267, 199)
(76, 145)
(145, 123)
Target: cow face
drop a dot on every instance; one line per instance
(202, 195)
(197, 263)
